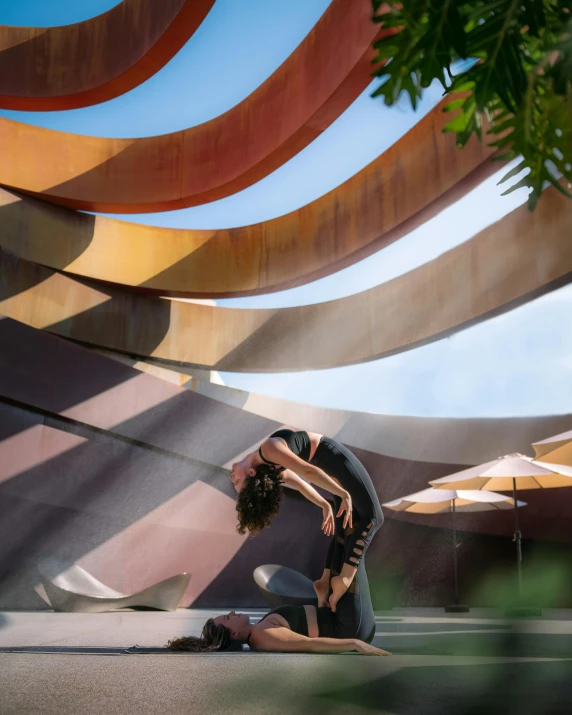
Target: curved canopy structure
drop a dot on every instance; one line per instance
(415, 177)
(48, 69)
(326, 72)
(454, 440)
(506, 264)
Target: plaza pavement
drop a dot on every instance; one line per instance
(465, 664)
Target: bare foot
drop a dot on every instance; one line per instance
(339, 585)
(322, 589)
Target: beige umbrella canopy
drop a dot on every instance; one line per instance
(506, 473)
(437, 501)
(509, 472)
(555, 450)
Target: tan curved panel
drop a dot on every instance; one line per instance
(416, 177)
(54, 68)
(511, 262)
(470, 440)
(211, 160)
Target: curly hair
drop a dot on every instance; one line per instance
(259, 500)
(213, 638)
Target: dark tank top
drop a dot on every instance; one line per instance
(298, 442)
(294, 615)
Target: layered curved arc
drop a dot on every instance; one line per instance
(505, 265)
(57, 68)
(414, 179)
(327, 71)
(198, 83)
(458, 222)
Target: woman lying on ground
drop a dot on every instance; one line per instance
(298, 629)
(260, 477)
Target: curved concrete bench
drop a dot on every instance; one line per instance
(280, 585)
(72, 589)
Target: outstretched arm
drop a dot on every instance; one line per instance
(277, 452)
(283, 640)
(307, 490)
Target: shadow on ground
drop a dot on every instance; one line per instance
(465, 639)
(537, 688)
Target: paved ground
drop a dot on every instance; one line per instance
(470, 664)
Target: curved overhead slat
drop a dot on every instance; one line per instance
(415, 177)
(49, 69)
(455, 440)
(215, 159)
(508, 263)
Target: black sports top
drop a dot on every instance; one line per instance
(298, 442)
(295, 615)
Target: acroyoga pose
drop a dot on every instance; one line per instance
(299, 629)
(282, 459)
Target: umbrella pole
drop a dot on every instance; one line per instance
(519, 611)
(455, 607)
(455, 568)
(517, 538)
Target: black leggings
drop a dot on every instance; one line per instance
(354, 617)
(338, 462)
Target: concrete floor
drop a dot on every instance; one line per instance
(467, 664)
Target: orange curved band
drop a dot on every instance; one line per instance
(55, 68)
(414, 178)
(210, 161)
(508, 263)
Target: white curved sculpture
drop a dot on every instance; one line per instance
(72, 589)
(280, 585)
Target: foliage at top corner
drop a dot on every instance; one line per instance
(517, 79)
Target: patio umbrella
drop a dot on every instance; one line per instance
(438, 501)
(505, 473)
(555, 450)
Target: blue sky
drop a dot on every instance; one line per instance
(43, 13)
(519, 363)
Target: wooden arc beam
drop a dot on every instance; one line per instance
(325, 73)
(54, 68)
(507, 264)
(413, 179)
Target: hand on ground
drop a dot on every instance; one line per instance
(367, 649)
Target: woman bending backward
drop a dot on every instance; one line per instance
(284, 458)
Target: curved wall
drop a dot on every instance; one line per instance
(125, 473)
(465, 441)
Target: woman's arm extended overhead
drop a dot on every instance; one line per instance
(293, 480)
(283, 640)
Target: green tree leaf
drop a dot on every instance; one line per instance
(521, 81)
